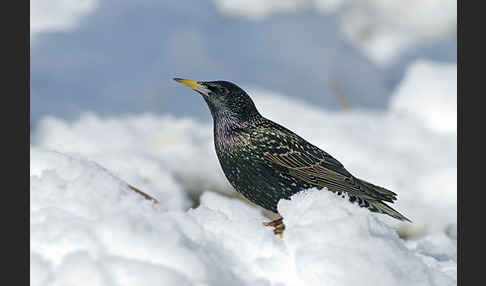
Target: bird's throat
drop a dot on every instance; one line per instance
(230, 132)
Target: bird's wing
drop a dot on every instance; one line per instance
(321, 172)
(314, 166)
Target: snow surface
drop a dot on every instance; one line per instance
(87, 227)
(55, 15)
(436, 111)
(381, 29)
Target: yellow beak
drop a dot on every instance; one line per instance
(190, 83)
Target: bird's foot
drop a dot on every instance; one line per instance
(279, 226)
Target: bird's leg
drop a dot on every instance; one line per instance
(279, 226)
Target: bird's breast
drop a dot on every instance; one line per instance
(252, 175)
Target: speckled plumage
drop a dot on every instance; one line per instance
(266, 162)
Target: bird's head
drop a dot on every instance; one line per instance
(225, 99)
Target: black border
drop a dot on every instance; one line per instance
(15, 118)
(460, 276)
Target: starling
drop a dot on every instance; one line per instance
(266, 162)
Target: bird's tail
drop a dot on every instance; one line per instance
(381, 207)
(381, 194)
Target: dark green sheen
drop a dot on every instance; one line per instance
(266, 162)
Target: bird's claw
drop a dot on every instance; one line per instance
(274, 223)
(279, 226)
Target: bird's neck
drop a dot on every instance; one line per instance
(230, 131)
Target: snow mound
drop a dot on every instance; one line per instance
(333, 241)
(381, 29)
(149, 151)
(429, 91)
(88, 228)
(58, 15)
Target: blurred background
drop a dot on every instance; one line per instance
(119, 57)
(367, 81)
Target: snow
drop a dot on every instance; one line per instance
(381, 29)
(151, 151)
(55, 15)
(88, 227)
(434, 103)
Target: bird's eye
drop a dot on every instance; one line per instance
(217, 90)
(213, 89)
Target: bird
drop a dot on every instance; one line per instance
(266, 162)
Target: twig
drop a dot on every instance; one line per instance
(336, 89)
(143, 194)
